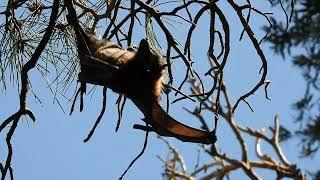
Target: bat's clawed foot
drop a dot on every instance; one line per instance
(213, 137)
(143, 127)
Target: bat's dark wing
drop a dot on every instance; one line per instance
(96, 71)
(164, 125)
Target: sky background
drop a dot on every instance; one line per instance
(52, 147)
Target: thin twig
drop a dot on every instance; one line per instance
(138, 156)
(104, 103)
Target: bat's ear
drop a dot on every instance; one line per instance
(144, 48)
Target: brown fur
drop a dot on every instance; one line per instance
(139, 74)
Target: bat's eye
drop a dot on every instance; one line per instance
(147, 69)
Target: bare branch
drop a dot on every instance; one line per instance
(104, 104)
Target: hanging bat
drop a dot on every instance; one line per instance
(138, 75)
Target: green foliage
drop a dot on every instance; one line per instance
(303, 33)
(284, 134)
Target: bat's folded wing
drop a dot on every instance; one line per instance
(96, 71)
(164, 125)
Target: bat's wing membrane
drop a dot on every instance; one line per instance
(164, 125)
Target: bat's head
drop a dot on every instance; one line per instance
(151, 62)
(149, 69)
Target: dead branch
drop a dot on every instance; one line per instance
(23, 110)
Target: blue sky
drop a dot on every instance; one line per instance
(52, 147)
